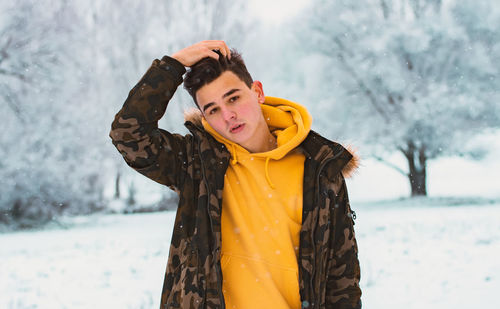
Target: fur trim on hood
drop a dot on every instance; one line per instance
(350, 169)
(193, 115)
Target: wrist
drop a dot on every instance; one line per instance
(177, 57)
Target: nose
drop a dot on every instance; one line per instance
(228, 114)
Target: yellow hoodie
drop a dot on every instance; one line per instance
(262, 213)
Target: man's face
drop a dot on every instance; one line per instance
(233, 110)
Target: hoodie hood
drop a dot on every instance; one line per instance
(288, 121)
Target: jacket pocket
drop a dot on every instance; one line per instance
(187, 285)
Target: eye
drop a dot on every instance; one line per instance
(213, 111)
(232, 99)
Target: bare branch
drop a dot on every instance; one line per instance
(368, 92)
(3, 51)
(20, 76)
(11, 102)
(391, 165)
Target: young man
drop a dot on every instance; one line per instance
(263, 219)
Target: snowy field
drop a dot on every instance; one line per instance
(412, 256)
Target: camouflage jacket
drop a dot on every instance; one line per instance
(194, 166)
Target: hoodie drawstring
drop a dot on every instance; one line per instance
(267, 173)
(233, 152)
(234, 161)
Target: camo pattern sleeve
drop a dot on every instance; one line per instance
(151, 151)
(342, 287)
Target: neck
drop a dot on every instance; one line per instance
(266, 143)
(270, 144)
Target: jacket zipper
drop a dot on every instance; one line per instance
(217, 267)
(316, 305)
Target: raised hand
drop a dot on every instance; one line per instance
(194, 53)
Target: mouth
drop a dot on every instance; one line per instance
(237, 128)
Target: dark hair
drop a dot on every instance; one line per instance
(209, 69)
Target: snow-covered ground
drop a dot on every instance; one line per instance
(430, 256)
(413, 255)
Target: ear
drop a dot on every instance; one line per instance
(259, 90)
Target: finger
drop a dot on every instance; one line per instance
(228, 51)
(223, 48)
(220, 46)
(213, 55)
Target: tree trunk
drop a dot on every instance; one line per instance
(417, 161)
(117, 185)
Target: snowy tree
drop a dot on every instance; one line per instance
(37, 156)
(415, 76)
(65, 69)
(161, 28)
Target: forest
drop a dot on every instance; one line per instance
(416, 79)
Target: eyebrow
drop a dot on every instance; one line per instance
(230, 92)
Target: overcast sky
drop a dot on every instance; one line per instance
(276, 11)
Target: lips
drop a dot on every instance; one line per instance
(237, 128)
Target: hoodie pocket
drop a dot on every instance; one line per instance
(268, 285)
